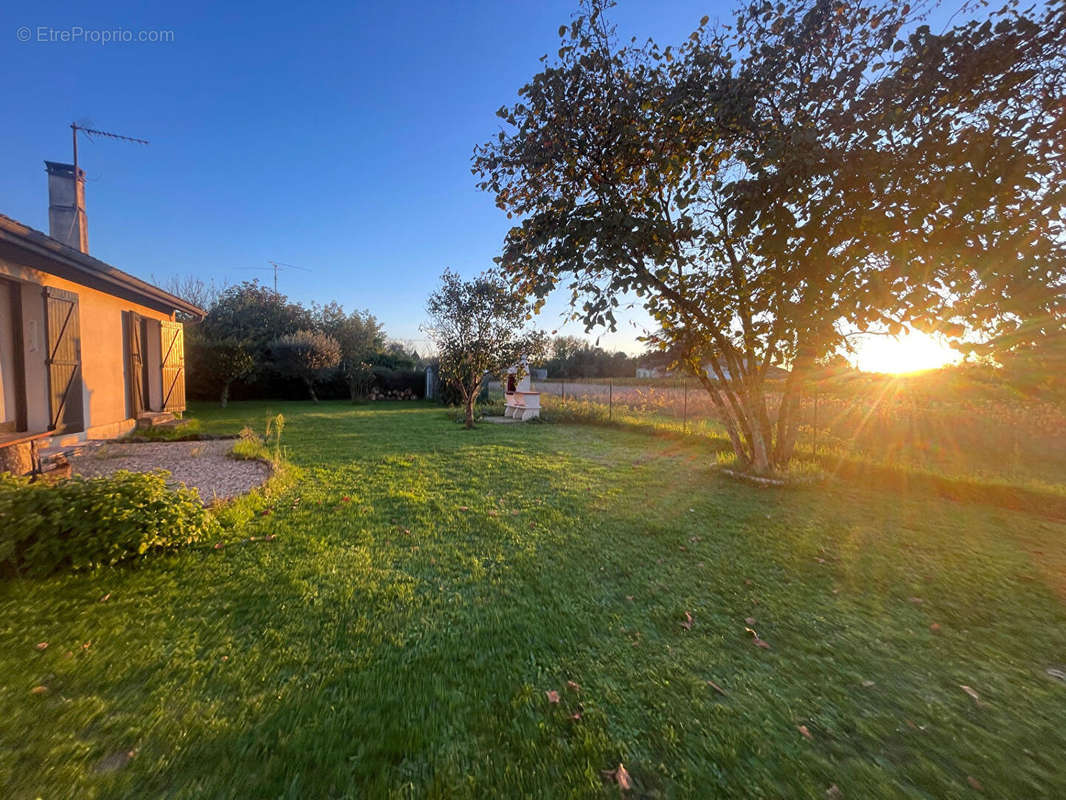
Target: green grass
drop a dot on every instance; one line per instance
(388, 642)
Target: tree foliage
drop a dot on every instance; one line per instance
(306, 355)
(573, 357)
(361, 338)
(770, 187)
(478, 327)
(221, 361)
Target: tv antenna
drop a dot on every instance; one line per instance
(274, 267)
(90, 132)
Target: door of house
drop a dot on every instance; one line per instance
(63, 333)
(12, 360)
(172, 347)
(136, 385)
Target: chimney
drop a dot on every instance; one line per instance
(66, 206)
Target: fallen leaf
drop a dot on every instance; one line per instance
(806, 733)
(552, 695)
(750, 620)
(629, 597)
(574, 686)
(747, 581)
(576, 716)
(976, 784)
(833, 793)
(105, 598)
(41, 645)
(218, 545)
(115, 761)
(618, 776)
(916, 600)
(687, 624)
(86, 646)
(972, 693)
(717, 688)
(935, 627)
(867, 684)
(755, 640)
(38, 690)
(464, 508)
(269, 537)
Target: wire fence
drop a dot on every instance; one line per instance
(960, 434)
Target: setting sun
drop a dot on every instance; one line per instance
(913, 352)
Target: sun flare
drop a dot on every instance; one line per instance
(897, 355)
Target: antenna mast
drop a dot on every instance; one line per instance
(274, 267)
(90, 132)
(282, 265)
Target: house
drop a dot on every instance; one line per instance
(85, 349)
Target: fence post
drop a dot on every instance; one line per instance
(610, 400)
(684, 424)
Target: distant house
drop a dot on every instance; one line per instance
(653, 372)
(85, 349)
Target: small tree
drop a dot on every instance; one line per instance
(478, 327)
(306, 355)
(224, 362)
(361, 338)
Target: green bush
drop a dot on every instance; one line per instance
(84, 523)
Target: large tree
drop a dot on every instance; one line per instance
(770, 187)
(479, 328)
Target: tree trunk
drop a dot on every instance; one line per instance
(224, 400)
(470, 411)
(788, 415)
(311, 390)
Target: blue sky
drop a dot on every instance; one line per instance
(336, 137)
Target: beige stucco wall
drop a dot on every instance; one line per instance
(102, 351)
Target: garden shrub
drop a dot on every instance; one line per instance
(250, 446)
(82, 523)
(448, 394)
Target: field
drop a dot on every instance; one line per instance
(953, 423)
(428, 587)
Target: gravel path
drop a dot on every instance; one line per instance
(203, 466)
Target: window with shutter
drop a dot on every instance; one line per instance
(64, 360)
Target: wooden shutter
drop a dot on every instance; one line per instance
(64, 360)
(135, 383)
(172, 345)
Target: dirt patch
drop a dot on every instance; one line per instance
(203, 466)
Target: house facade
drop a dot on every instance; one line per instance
(85, 349)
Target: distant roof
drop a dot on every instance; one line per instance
(82, 268)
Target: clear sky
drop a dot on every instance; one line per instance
(333, 136)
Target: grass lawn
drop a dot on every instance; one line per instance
(428, 585)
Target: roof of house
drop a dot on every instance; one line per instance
(74, 265)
